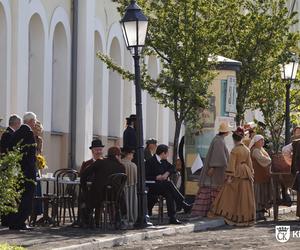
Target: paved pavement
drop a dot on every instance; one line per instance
(261, 236)
(158, 237)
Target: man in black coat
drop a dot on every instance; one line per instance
(25, 137)
(129, 134)
(158, 170)
(101, 170)
(14, 123)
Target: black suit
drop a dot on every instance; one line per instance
(129, 138)
(25, 137)
(165, 188)
(101, 170)
(6, 140)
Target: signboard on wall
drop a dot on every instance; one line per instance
(230, 105)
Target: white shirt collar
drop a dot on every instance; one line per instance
(12, 129)
(158, 158)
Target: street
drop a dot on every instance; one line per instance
(261, 236)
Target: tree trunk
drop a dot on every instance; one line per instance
(176, 139)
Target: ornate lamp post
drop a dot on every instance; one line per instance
(288, 74)
(134, 26)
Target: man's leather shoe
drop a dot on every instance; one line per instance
(187, 207)
(21, 228)
(174, 221)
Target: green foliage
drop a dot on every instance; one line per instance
(257, 33)
(11, 179)
(6, 246)
(183, 35)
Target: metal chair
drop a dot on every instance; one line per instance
(113, 196)
(65, 195)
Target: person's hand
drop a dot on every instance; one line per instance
(159, 178)
(210, 172)
(229, 179)
(165, 176)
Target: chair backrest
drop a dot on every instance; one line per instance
(115, 187)
(64, 188)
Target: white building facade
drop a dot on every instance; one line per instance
(36, 38)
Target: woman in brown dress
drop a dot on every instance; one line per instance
(262, 181)
(236, 202)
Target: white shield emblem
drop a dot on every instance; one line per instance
(282, 233)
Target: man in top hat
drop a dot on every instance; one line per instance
(151, 145)
(213, 173)
(97, 153)
(129, 134)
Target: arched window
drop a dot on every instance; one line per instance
(36, 65)
(114, 97)
(98, 75)
(60, 81)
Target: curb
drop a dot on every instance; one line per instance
(99, 243)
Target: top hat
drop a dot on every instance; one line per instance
(132, 117)
(97, 143)
(128, 150)
(224, 127)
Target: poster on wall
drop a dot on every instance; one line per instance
(230, 106)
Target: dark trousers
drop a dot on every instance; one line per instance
(168, 190)
(25, 207)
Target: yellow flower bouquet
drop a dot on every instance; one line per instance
(41, 162)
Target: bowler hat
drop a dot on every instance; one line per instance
(97, 143)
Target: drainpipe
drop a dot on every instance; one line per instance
(292, 7)
(73, 108)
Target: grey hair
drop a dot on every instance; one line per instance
(13, 119)
(29, 116)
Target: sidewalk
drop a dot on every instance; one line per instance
(68, 238)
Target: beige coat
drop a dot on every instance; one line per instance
(217, 157)
(131, 190)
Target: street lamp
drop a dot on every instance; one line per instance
(134, 26)
(288, 73)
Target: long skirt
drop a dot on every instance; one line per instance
(204, 199)
(236, 203)
(263, 197)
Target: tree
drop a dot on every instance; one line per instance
(183, 36)
(257, 33)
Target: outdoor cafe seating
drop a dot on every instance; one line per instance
(61, 197)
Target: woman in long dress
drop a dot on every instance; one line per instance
(262, 184)
(236, 202)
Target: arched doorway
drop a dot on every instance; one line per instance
(114, 97)
(3, 63)
(36, 65)
(98, 76)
